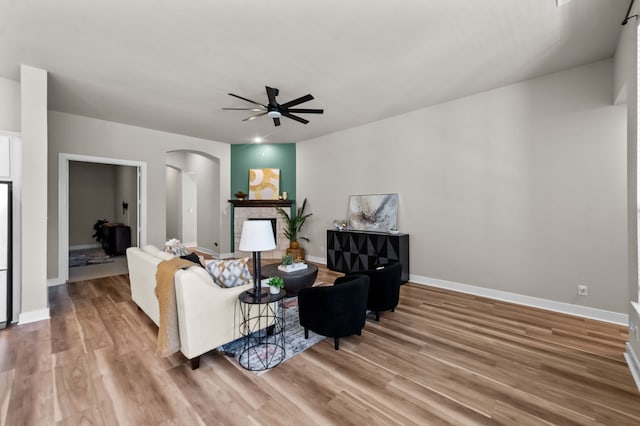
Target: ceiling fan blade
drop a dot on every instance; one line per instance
(276, 121)
(254, 116)
(243, 109)
(306, 111)
(295, 117)
(301, 99)
(248, 100)
(271, 94)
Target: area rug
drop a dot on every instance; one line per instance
(294, 341)
(92, 256)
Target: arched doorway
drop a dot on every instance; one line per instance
(193, 199)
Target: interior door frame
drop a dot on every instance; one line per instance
(63, 205)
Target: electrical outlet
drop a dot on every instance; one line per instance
(583, 290)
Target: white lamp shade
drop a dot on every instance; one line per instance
(257, 235)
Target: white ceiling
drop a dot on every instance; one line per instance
(169, 65)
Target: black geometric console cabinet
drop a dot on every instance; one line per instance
(350, 251)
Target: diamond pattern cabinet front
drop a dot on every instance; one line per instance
(351, 251)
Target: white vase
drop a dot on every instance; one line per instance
(274, 290)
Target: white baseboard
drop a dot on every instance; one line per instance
(206, 251)
(226, 256)
(519, 299)
(315, 259)
(633, 363)
(84, 246)
(52, 282)
(33, 316)
(190, 245)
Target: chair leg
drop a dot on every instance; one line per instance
(195, 363)
(270, 330)
(359, 333)
(336, 343)
(306, 333)
(377, 315)
(393, 309)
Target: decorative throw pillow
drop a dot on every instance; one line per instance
(192, 257)
(175, 247)
(229, 273)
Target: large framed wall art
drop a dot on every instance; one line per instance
(264, 184)
(373, 212)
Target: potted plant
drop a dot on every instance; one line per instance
(275, 284)
(99, 234)
(293, 224)
(288, 264)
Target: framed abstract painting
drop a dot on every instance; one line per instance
(373, 212)
(264, 184)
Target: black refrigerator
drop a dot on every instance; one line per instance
(5, 254)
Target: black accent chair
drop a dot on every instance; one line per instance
(335, 311)
(384, 287)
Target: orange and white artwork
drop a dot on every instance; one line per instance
(264, 184)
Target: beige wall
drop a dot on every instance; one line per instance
(91, 196)
(207, 172)
(96, 191)
(174, 202)
(86, 136)
(208, 175)
(125, 184)
(9, 105)
(521, 189)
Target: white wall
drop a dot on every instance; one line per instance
(626, 64)
(33, 94)
(521, 189)
(86, 136)
(9, 105)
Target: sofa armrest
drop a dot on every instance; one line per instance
(142, 277)
(208, 316)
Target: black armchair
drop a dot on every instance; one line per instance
(334, 311)
(384, 287)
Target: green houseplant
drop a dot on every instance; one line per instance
(287, 259)
(99, 234)
(275, 284)
(293, 224)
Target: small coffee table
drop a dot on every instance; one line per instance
(293, 281)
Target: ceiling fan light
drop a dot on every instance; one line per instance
(274, 114)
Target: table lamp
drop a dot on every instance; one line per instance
(257, 236)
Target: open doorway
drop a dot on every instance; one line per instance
(104, 189)
(102, 218)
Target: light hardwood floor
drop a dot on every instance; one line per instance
(441, 358)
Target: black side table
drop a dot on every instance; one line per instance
(263, 330)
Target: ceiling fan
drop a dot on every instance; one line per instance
(275, 110)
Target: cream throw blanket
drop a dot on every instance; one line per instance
(168, 332)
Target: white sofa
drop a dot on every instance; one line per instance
(208, 315)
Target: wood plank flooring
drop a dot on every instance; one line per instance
(441, 358)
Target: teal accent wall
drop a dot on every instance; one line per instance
(262, 156)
